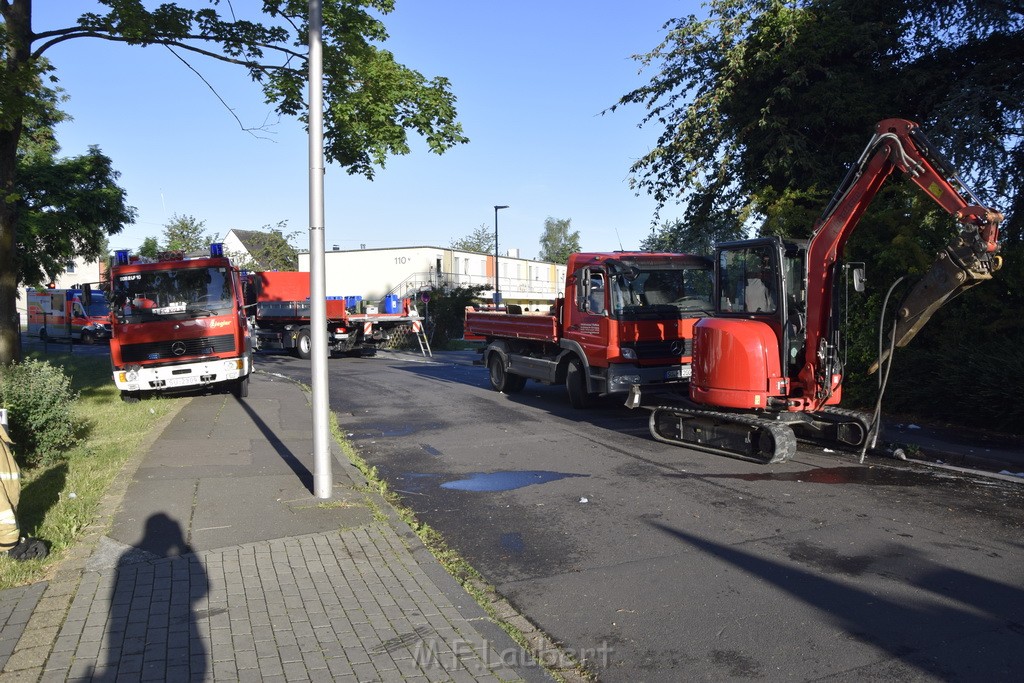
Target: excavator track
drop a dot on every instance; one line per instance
(834, 427)
(734, 435)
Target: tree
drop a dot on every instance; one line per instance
(446, 312)
(65, 207)
(371, 102)
(187, 234)
(150, 247)
(558, 241)
(480, 240)
(678, 236)
(763, 104)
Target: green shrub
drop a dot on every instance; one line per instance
(39, 403)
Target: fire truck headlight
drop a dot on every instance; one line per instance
(628, 353)
(129, 376)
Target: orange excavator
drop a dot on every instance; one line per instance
(767, 364)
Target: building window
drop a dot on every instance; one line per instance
(70, 267)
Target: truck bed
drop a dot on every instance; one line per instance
(534, 327)
(300, 311)
(297, 310)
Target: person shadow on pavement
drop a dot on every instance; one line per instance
(152, 627)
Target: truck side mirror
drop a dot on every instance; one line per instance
(87, 294)
(581, 283)
(859, 279)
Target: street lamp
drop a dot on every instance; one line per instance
(497, 289)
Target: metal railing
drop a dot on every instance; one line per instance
(519, 288)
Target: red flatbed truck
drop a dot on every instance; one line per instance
(625, 318)
(278, 303)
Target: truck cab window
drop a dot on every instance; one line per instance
(596, 296)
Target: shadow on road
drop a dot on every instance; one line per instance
(969, 630)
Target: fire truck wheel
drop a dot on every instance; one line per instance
(130, 396)
(304, 345)
(576, 385)
(505, 382)
(241, 388)
(88, 338)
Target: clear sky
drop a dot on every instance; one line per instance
(531, 77)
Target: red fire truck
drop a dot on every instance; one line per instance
(178, 323)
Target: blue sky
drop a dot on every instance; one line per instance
(531, 77)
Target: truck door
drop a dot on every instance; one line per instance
(588, 315)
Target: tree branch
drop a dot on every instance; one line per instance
(59, 36)
(217, 95)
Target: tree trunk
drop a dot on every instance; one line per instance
(17, 16)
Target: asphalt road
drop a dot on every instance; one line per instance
(657, 563)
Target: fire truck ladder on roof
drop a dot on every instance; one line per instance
(421, 337)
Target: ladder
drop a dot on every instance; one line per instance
(421, 337)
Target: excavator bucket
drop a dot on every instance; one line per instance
(956, 269)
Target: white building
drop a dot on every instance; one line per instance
(405, 271)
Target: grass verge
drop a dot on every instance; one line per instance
(59, 501)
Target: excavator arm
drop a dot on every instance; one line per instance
(970, 257)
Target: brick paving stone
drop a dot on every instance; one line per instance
(296, 671)
(271, 666)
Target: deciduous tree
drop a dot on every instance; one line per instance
(65, 207)
(558, 240)
(480, 240)
(187, 234)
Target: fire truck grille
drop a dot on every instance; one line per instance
(177, 348)
(673, 348)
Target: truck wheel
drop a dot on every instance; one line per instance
(241, 388)
(131, 396)
(304, 345)
(88, 338)
(576, 385)
(42, 334)
(502, 381)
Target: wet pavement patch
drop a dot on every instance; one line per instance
(513, 542)
(506, 481)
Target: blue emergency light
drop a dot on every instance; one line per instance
(217, 249)
(121, 256)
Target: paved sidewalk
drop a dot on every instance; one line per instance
(213, 561)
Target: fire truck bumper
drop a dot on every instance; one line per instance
(183, 376)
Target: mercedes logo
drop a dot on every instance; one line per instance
(178, 348)
(676, 348)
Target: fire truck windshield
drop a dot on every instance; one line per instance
(657, 292)
(172, 294)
